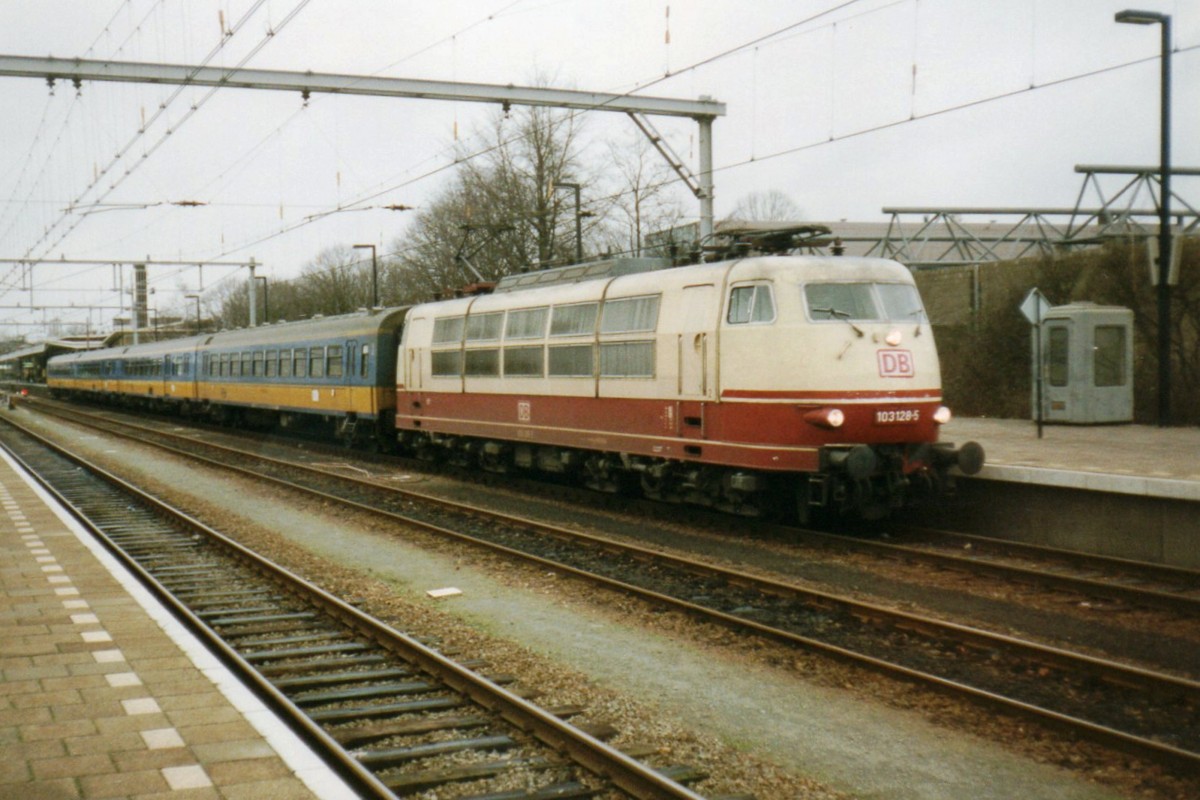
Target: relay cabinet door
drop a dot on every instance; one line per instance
(1059, 384)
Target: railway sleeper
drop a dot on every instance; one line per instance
(428, 779)
(361, 735)
(396, 756)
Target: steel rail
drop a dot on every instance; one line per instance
(628, 774)
(1154, 682)
(1145, 570)
(976, 565)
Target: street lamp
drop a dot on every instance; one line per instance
(266, 305)
(374, 274)
(1133, 17)
(578, 219)
(195, 297)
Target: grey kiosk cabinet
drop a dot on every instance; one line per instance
(1087, 364)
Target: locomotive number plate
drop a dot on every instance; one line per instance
(897, 416)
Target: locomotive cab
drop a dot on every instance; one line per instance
(850, 354)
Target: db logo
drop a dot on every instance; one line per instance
(896, 364)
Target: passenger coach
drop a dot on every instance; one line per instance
(336, 371)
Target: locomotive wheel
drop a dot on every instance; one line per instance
(811, 505)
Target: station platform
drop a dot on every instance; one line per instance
(104, 694)
(1119, 459)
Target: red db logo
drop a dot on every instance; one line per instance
(896, 364)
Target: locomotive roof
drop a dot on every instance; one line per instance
(360, 324)
(799, 268)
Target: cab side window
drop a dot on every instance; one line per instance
(751, 304)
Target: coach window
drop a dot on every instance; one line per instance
(524, 362)
(484, 327)
(572, 361)
(316, 362)
(247, 364)
(573, 320)
(335, 361)
(300, 362)
(627, 360)
(447, 329)
(446, 363)
(364, 363)
(259, 364)
(630, 314)
(285, 363)
(482, 363)
(272, 363)
(751, 304)
(528, 323)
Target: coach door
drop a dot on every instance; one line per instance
(351, 379)
(694, 341)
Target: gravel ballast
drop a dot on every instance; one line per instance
(782, 734)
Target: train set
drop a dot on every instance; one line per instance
(752, 385)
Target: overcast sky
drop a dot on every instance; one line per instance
(848, 108)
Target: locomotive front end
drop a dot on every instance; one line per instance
(879, 423)
(843, 372)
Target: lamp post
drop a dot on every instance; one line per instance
(266, 305)
(374, 274)
(578, 219)
(1134, 17)
(195, 297)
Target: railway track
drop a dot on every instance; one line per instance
(1152, 715)
(393, 716)
(1093, 577)
(1096, 577)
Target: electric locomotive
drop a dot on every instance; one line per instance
(731, 384)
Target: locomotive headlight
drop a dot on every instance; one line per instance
(942, 415)
(894, 338)
(825, 417)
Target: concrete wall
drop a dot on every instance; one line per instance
(1140, 527)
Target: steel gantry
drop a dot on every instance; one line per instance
(703, 111)
(947, 236)
(139, 288)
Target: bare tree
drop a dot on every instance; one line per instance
(642, 201)
(501, 213)
(769, 206)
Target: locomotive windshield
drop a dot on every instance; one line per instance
(864, 302)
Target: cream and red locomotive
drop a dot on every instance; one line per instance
(740, 384)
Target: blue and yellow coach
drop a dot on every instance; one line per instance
(338, 372)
